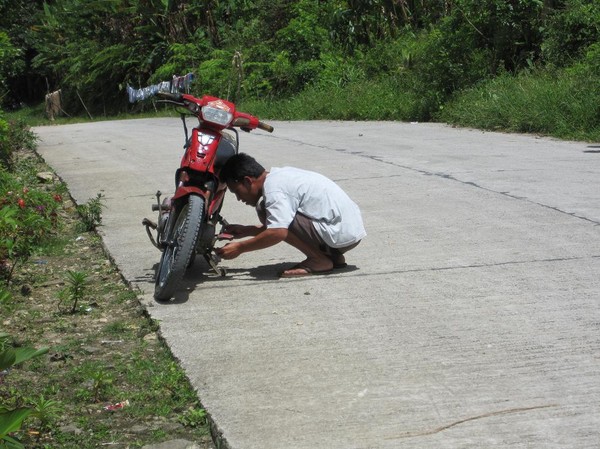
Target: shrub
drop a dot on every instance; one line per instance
(11, 64)
(184, 58)
(570, 31)
(28, 216)
(213, 74)
(5, 148)
(449, 60)
(14, 136)
(91, 213)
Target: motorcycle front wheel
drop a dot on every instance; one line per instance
(181, 246)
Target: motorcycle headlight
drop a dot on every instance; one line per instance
(217, 112)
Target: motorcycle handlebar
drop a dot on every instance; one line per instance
(265, 127)
(241, 121)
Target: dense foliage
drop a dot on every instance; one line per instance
(260, 50)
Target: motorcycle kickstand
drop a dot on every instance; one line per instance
(213, 260)
(149, 224)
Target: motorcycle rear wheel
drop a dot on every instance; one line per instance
(181, 246)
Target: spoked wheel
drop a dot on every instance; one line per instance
(181, 246)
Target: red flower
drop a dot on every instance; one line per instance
(21, 203)
(57, 198)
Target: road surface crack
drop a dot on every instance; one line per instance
(465, 420)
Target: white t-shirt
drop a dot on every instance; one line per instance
(336, 217)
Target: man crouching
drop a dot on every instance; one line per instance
(303, 208)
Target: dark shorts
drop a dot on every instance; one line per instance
(302, 227)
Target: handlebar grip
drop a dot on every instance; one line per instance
(178, 97)
(265, 127)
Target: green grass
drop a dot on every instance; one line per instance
(385, 99)
(36, 116)
(563, 105)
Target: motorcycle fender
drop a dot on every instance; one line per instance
(188, 190)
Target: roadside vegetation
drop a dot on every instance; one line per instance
(518, 65)
(81, 364)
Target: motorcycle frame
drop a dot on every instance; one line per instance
(197, 172)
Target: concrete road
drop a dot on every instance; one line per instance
(469, 316)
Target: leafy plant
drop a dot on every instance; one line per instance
(550, 103)
(91, 212)
(11, 420)
(10, 356)
(5, 147)
(11, 64)
(101, 381)
(96, 380)
(76, 289)
(193, 417)
(46, 410)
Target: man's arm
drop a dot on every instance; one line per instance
(241, 231)
(264, 239)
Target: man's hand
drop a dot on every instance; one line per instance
(263, 239)
(229, 251)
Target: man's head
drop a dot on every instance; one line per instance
(244, 177)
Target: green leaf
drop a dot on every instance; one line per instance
(4, 298)
(7, 358)
(11, 421)
(12, 356)
(11, 443)
(23, 354)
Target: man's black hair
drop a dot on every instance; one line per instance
(239, 166)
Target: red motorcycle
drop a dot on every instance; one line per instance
(187, 221)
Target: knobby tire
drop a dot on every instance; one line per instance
(180, 249)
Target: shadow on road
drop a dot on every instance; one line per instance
(199, 275)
